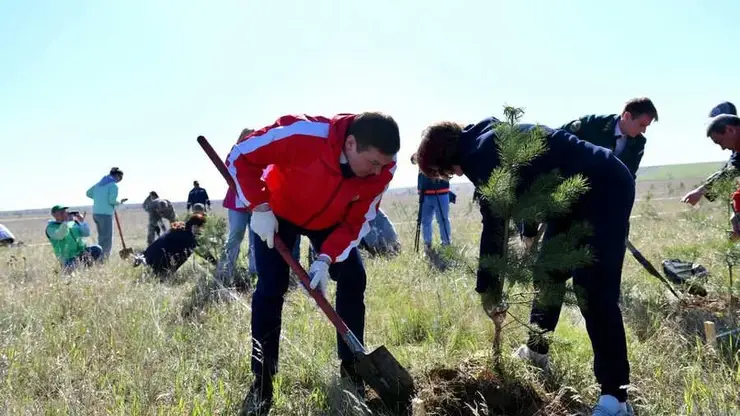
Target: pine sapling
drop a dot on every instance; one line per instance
(547, 196)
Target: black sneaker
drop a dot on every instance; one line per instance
(348, 372)
(259, 399)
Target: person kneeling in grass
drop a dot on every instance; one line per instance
(173, 248)
(65, 233)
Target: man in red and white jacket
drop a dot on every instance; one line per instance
(325, 180)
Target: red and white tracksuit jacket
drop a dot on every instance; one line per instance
(294, 166)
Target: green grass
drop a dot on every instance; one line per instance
(678, 172)
(111, 341)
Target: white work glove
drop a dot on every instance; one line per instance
(264, 224)
(319, 273)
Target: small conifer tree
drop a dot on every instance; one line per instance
(550, 195)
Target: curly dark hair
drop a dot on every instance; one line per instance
(437, 152)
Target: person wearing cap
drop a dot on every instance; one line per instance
(198, 208)
(448, 148)
(731, 168)
(170, 251)
(105, 200)
(66, 233)
(198, 195)
(158, 209)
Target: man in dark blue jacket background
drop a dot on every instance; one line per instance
(449, 149)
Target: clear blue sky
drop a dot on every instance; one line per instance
(86, 85)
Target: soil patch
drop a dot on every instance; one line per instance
(448, 391)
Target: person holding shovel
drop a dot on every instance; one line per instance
(326, 180)
(448, 149)
(105, 200)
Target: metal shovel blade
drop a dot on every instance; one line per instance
(384, 374)
(126, 252)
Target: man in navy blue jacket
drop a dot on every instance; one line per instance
(447, 148)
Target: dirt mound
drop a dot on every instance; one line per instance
(448, 391)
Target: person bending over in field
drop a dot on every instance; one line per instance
(173, 248)
(326, 180)
(450, 149)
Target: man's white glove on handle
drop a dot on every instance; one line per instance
(319, 273)
(264, 224)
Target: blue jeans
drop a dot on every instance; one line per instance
(104, 224)
(238, 225)
(439, 206)
(91, 254)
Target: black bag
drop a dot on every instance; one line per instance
(685, 273)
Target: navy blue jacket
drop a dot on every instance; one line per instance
(198, 196)
(478, 157)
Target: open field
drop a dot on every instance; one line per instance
(111, 341)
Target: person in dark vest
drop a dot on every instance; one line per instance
(622, 133)
(730, 169)
(434, 197)
(448, 149)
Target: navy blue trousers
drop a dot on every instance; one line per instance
(272, 284)
(607, 209)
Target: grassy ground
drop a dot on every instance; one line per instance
(110, 340)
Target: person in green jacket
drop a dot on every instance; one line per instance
(65, 233)
(620, 133)
(105, 200)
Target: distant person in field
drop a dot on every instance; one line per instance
(435, 197)
(105, 200)
(449, 149)
(731, 168)
(382, 239)
(198, 209)
(171, 250)
(198, 195)
(7, 238)
(158, 209)
(66, 233)
(325, 180)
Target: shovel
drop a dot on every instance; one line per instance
(379, 369)
(125, 252)
(649, 267)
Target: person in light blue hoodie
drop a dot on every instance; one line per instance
(105, 199)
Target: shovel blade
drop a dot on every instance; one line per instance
(125, 253)
(384, 374)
